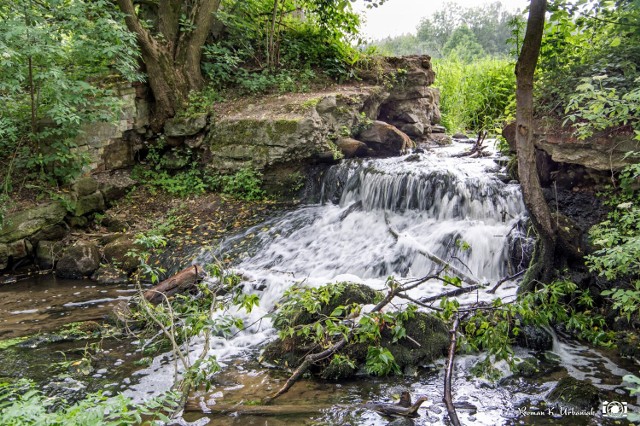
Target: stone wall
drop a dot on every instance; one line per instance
(110, 145)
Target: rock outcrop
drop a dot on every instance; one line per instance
(35, 233)
(388, 113)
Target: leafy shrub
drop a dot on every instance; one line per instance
(245, 183)
(22, 404)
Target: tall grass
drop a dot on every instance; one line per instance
(475, 96)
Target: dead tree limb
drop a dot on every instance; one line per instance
(179, 283)
(435, 259)
(448, 401)
(451, 293)
(504, 280)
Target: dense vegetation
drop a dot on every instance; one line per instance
(473, 50)
(63, 61)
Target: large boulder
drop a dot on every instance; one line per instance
(385, 140)
(27, 222)
(85, 186)
(601, 152)
(89, 203)
(79, 260)
(429, 338)
(351, 148)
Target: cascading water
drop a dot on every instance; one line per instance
(455, 208)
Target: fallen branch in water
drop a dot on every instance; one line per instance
(179, 283)
(451, 293)
(435, 259)
(504, 280)
(448, 401)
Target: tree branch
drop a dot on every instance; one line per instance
(451, 409)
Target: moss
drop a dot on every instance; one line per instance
(279, 128)
(427, 331)
(577, 393)
(7, 343)
(527, 368)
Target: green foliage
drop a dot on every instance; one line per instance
(595, 107)
(59, 69)
(474, 96)
(245, 184)
(584, 39)
(380, 362)
(493, 328)
(463, 45)
(470, 31)
(303, 315)
(296, 47)
(22, 404)
(618, 241)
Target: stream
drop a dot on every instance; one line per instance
(457, 208)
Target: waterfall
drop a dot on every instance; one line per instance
(453, 207)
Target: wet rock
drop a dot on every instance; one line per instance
(438, 129)
(185, 126)
(109, 274)
(460, 136)
(89, 203)
(69, 390)
(415, 130)
(412, 157)
(27, 222)
(527, 368)
(520, 247)
(577, 393)
(48, 253)
(535, 338)
(351, 148)
(385, 139)
(440, 139)
(116, 251)
(79, 260)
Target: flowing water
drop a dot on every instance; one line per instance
(368, 220)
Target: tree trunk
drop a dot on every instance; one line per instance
(172, 57)
(541, 267)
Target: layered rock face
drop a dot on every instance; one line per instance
(392, 110)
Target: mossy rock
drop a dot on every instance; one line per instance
(577, 393)
(352, 293)
(27, 222)
(426, 330)
(527, 368)
(428, 339)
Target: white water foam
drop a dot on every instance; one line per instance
(438, 204)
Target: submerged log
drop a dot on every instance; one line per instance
(179, 283)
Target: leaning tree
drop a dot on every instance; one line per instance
(527, 170)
